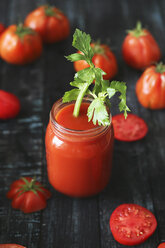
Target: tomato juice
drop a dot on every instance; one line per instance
(66, 118)
(78, 153)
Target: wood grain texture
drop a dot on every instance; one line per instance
(138, 168)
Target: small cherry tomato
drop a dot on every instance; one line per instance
(103, 58)
(2, 28)
(150, 88)
(11, 246)
(49, 22)
(28, 195)
(20, 45)
(9, 105)
(140, 49)
(132, 224)
(162, 245)
(130, 129)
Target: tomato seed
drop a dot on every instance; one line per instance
(136, 211)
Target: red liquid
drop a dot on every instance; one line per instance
(78, 164)
(66, 118)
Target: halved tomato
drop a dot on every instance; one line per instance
(130, 129)
(132, 224)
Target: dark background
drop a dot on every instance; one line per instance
(138, 174)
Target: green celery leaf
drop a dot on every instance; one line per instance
(71, 95)
(105, 85)
(77, 83)
(111, 92)
(75, 57)
(102, 95)
(98, 73)
(123, 106)
(81, 41)
(86, 74)
(97, 112)
(119, 87)
(107, 102)
(98, 76)
(98, 79)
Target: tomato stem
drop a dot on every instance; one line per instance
(97, 49)
(139, 26)
(138, 31)
(21, 31)
(160, 68)
(30, 186)
(49, 11)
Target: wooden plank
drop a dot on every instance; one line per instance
(155, 151)
(131, 178)
(157, 120)
(138, 171)
(21, 144)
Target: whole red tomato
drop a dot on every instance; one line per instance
(2, 28)
(9, 105)
(140, 49)
(28, 195)
(150, 87)
(103, 58)
(20, 45)
(162, 245)
(49, 22)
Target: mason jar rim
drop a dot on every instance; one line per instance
(59, 128)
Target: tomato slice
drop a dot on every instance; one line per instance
(162, 245)
(131, 129)
(132, 224)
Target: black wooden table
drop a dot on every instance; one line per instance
(138, 174)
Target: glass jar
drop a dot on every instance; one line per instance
(78, 162)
